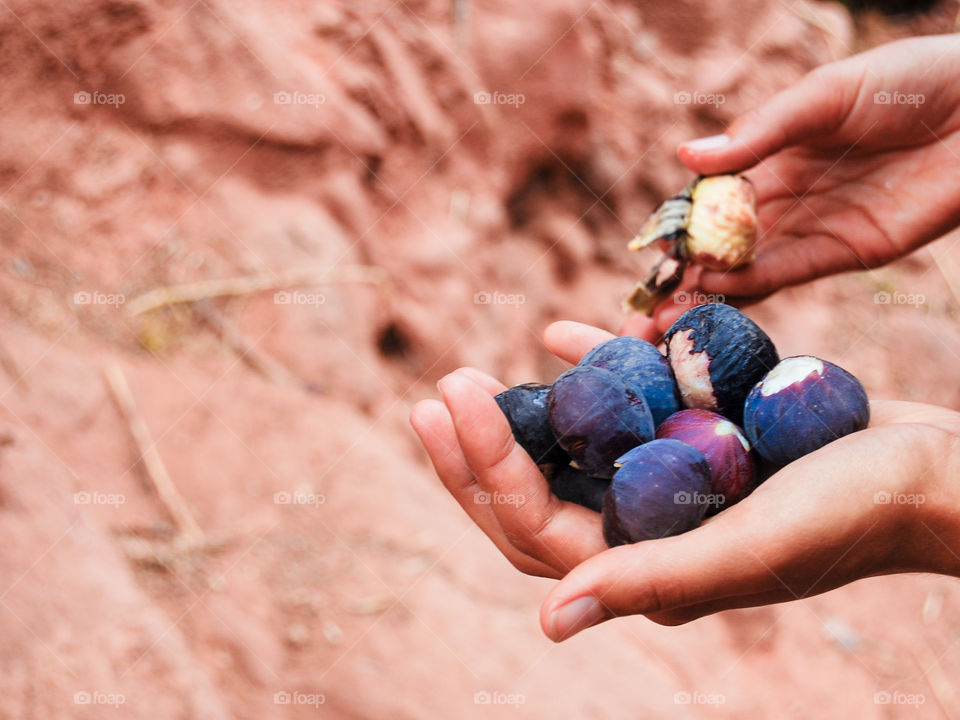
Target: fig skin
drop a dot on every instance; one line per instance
(642, 367)
(803, 404)
(726, 449)
(660, 489)
(575, 486)
(525, 407)
(596, 418)
(717, 355)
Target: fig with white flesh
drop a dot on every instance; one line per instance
(718, 354)
(722, 229)
(712, 222)
(801, 405)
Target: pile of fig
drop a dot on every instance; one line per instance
(656, 443)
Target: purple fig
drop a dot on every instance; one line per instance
(644, 368)
(725, 447)
(596, 418)
(525, 407)
(660, 489)
(800, 406)
(575, 486)
(718, 354)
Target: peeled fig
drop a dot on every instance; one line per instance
(717, 355)
(526, 409)
(801, 405)
(642, 367)
(712, 222)
(596, 418)
(725, 448)
(722, 229)
(659, 489)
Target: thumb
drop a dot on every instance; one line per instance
(815, 106)
(655, 576)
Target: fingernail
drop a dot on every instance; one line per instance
(711, 142)
(567, 620)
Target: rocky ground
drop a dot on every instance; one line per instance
(486, 162)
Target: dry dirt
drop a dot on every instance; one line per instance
(382, 600)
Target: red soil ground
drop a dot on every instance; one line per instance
(383, 600)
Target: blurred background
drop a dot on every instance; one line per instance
(238, 240)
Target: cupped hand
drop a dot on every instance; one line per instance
(492, 477)
(854, 166)
(875, 502)
(871, 503)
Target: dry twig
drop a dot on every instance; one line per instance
(156, 471)
(249, 284)
(255, 358)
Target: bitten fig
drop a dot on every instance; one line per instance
(725, 447)
(642, 367)
(801, 405)
(596, 418)
(572, 485)
(526, 409)
(660, 489)
(717, 355)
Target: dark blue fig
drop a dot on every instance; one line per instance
(725, 447)
(526, 409)
(575, 486)
(642, 367)
(717, 355)
(596, 418)
(800, 406)
(660, 489)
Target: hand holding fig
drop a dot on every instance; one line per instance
(878, 501)
(845, 177)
